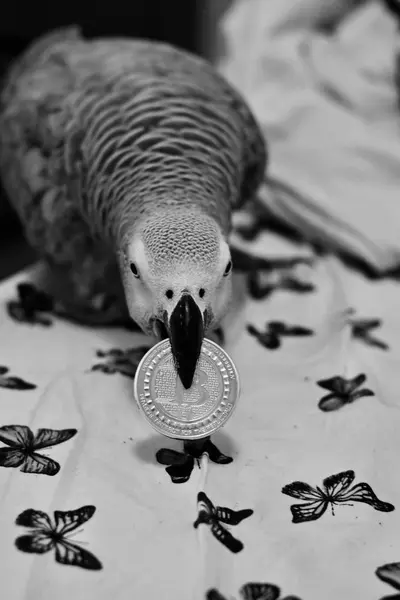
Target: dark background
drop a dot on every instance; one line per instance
(174, 21)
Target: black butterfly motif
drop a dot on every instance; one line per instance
(120, 361)
(335, 490)
(33, 305)
(274, 330)
(14, 383)
(23, 446)
(390, 574)
(214, 516)
(286, 280)
(243, 262)
(257, 267)
(344, 391)
(47, 534)
(30, 306)
(214, 594)
(253, 591)
(181, 464)
(394, 7)
(361, 328)
(261, 222)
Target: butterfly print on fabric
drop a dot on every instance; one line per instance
(23, 446)
(260, 223)
(253, 591)
(335, 490)
(271, 337)
(54, 534)
(278, 273)
(361, 330)
(124, 362)
(284, 281)
(214, 516)
(10, 382)
(244, 262)
(32, 306)
(343, 391)
(394, 7)
(181, 464)
(390, 574)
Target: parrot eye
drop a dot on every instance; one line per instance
(228, 268)
(134, 269)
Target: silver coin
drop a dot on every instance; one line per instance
(186, 414)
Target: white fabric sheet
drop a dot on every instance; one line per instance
(142, 531)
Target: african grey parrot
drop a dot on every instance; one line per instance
(124, 160)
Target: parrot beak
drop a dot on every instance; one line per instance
(186, 334)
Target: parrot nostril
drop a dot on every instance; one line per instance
(202, 291)
(169, 294)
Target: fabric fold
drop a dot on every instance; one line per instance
(328, 105)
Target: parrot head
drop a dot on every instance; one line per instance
(176, 269)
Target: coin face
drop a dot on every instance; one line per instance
(186, 414)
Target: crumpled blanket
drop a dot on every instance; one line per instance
(321, 77)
